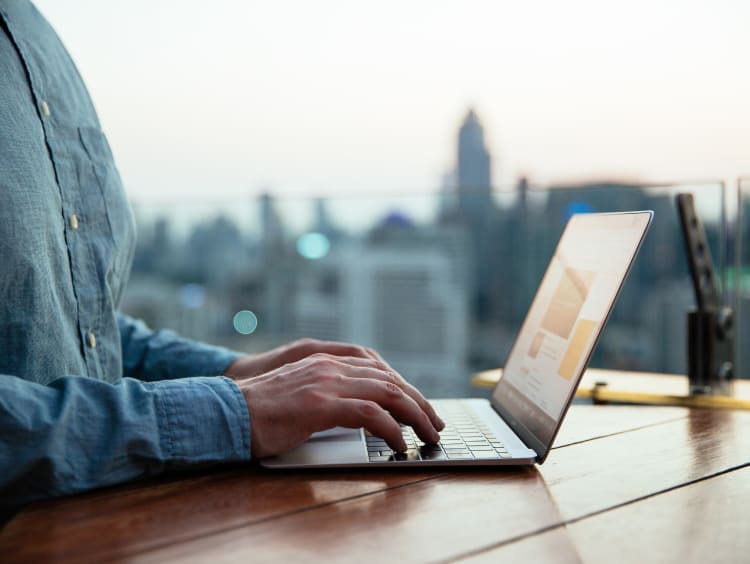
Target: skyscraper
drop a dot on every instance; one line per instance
(475, 209)
(272, 231)
(473, 172)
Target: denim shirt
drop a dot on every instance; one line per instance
(88, 397)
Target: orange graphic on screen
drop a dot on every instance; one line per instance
(567, 301)
(576, 348)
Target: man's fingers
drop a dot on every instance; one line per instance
(385, 373)
(354, 413)
(392, 398)
(426, 406)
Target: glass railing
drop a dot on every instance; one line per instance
(439, 284)
(741, 278)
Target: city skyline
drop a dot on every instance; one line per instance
(438, 297)
(334, 99)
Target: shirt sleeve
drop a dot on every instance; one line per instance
(163, 355)
(78, 433)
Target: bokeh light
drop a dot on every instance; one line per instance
(313, 245)
(245, 322)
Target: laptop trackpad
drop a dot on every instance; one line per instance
(334, 446)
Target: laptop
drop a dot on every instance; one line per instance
(518, 425)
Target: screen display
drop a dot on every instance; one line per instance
(566, 316)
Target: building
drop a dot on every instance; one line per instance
(404, 301)
(473, 172)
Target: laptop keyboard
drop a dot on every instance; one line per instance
(465, 437)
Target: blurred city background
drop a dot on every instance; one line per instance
(438, 284)
(398, 176)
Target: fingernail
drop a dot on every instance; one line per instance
(441, 423)
(435, 437)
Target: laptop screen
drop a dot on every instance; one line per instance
(569, 311)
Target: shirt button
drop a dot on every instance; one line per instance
(74, 221)
(45, 109)
(92, 340)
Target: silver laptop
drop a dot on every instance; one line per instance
(519, 424)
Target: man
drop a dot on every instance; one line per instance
(90, 397)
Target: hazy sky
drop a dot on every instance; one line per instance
(223, 99)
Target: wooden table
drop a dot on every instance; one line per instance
(623, 484)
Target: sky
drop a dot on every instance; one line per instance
(226, 99)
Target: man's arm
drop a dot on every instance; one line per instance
(77, 433)
(163, 355)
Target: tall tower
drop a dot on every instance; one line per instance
(474, 175)
(272, 231)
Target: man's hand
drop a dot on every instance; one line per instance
(322, 391)
(249, 366)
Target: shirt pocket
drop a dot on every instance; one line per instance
(118, 213)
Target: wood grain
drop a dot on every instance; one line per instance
(703, 522)
(604, 457)
(90, 529)
(553, 546)
(433, 520)
(462, 512)
(587, 422)
(593, 476)
(706, 521)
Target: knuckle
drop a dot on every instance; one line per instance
(392, 377)
(357, 351)
(369, 408)
(322, 361)
(392, 389)
(373, 354)
(305, 343)
(395, 378)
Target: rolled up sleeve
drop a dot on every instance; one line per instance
(185, 407)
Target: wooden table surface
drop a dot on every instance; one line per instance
(623, 484)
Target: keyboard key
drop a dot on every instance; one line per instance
(408, 455)
(432, 454)
(379, 458)
(459, 455)
(465, 436)
(485, 454)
